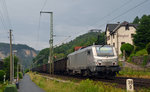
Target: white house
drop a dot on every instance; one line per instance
(120, 33)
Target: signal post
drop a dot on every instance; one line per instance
(51, 42)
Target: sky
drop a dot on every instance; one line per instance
(71, 18)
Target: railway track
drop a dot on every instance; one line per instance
(120, 81)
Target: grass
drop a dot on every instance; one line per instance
(83, 86)
(2, 86)
(128, 72)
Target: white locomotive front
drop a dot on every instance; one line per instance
(94, 60)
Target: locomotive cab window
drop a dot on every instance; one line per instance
(104, 51)
(88, 52)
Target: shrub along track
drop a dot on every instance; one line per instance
(119, 81)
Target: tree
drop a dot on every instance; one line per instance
(66, 48)
(7, 66)
(2, 73)
(148, 48)
(128, 48)
(136, 20)
(142, 36)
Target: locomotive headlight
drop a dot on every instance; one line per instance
(99, 62)
(114, 63)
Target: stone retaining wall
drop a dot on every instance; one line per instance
(140, 59)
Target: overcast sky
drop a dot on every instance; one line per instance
(71, 18)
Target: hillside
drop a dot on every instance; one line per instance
(64, 49)
(24, 52)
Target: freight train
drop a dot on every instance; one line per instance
(95, 60)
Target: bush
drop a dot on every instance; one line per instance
(88, 86)
(130, 57)
(10, 88)
(2, 73)
(20, 75)
(128, 48)
(148, 48)
(145, 61)
(141, 52)
(136, 48)
(27, 70)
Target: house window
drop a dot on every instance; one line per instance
(113, 36)
(127, 27)
(132, 35)
(122, 43)
(114, 44)
(108, 38)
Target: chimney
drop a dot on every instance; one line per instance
(118, 22)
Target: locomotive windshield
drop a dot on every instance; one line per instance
(104, 51)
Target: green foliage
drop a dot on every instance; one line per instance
(20, 75)
(142, 36)
(64, 49)
(145, 60)
(130, 72)
(141, 52)
(148, 48)
(2, 87)
(130, 57)
(84, 86)
(10, 88)
(2, 73)
(128, 48)
(137, 48)
(6, 67)
(87, 86)
(136, 20)
(27, 70)
(42, 57)
(120, 63)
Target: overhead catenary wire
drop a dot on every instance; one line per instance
(113, 11)
(60, 36)
(62, 41)
(6, 19)
(129, 10)
(7, 15)
(141, 3)
(100, 18)
(105, 16)
(44, 5)
(38, 29)
(13, 39)
(39, 24)
(125, 12)
(3, 20)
